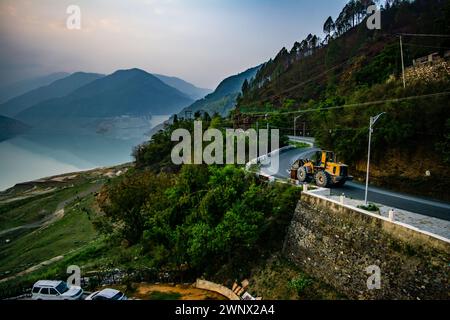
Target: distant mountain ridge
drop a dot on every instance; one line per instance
(10, 128)
(223, 99)
(15, 89)
(56, 89)
(125, 92)
(188, 88)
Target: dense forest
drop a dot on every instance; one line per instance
(335, 85)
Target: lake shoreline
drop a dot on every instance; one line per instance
(110, 171)
(57, 151)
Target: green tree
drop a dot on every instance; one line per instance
(328, 27)
(245, 86)
(122, 202)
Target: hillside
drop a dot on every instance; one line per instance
(35, 218)
(56, 89)
(188, 88)
(352, 58)
(9, 91)
(10, 128)
(125, 92)
(223, 99)
(355, 66)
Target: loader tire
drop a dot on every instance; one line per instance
(302, 175)
(323, 179)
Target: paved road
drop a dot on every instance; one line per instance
(428, 207)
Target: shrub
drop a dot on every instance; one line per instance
(300, 283)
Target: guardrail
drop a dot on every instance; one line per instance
(308, 140)
(409, 231)
(265, 157)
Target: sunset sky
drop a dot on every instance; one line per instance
(201, 41)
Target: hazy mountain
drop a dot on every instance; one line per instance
(56, 89)
(10, 128)
(125, 92)
(12, 90)
(223, 99)
(184, 86)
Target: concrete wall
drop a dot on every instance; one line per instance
(211, 286)
(336, 244)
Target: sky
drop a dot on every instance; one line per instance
(200, 41)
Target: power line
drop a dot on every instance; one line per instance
(335, 67)
(424, 35)
(313, 78)
(310, 79)
(424, 46)
(305, 82)
(360, 104)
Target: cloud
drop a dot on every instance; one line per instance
(200, 40)
(158, 11)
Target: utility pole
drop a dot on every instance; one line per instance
(295, 122)
(371, 124)
(403, 62)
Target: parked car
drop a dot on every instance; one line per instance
(107, 294)
(55, 290)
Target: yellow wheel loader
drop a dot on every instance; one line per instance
(324, 170)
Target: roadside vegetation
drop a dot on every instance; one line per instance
(370, 207)
(200, 220)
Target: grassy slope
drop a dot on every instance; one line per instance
(66, 235)
(74, 230)
(32, 209)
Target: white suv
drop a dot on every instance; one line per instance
(107, 294)
(55, 290)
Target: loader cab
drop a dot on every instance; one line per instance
(323, 157)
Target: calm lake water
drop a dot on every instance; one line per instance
(42, 153)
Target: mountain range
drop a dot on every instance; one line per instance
(125, 92)
(131, 92)
(15, 89)
(188, 88)
(56, 89)
(10, 128)
(223, 99)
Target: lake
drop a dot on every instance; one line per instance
(70, 147)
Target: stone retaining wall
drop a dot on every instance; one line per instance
(336, 244)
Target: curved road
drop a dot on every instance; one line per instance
(428, 207)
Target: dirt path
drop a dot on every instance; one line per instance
(28, 194)
(33, 268)
(57, 214)
(145, 291)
